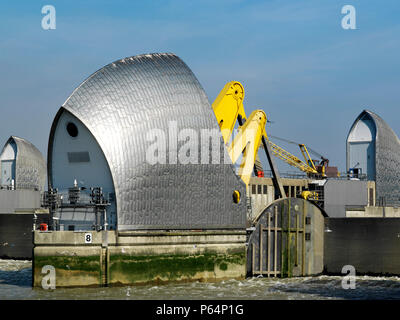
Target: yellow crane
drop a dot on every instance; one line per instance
(309, 166)
(228, 109)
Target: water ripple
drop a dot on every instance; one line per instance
(16, 280)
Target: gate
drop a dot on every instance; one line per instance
(282, 243)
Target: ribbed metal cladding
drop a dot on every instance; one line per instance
(123, 101)
(30, 166)
(387, 160)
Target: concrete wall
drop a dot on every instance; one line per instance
(315, 247)
(12, 201)
(139, 257)
(262, 197)
(16, 240)
(375, 212)
(339, 194)
(371, 245)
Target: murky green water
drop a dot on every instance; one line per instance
(16, 279)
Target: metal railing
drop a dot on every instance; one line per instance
(299, 175)
(22, 187)
(92, 199)
(83, 198)
(290, 175)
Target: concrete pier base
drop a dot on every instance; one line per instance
(370, 245)
(138, 257)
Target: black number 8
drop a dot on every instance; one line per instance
(88, 237)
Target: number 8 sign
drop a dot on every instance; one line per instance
(88, 238)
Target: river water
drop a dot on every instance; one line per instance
(16, 279)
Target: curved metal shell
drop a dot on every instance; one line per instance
(30, 166)
(387, 159)
(120, 104)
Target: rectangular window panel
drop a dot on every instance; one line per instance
(78, 157)
(371, 197)
(286, 188)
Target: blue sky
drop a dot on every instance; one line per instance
(310, 76)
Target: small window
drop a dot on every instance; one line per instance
(308, 220)
(259, 189)
(253, 189)
(308, 236)
(265, 189)
(72, 129)
(78, 156)
(236, 196)
(111, 198)
(286, 189)
(71, 228)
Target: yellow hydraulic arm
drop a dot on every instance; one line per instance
(246, 142)
(228, 108)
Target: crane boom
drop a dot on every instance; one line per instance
(291, 159)
(323, 162)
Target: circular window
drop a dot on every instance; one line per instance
(72, 129)
(236, 196)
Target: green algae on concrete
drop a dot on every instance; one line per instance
(139, 257)
(80, 263)
(142, 269)
(70, 270)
